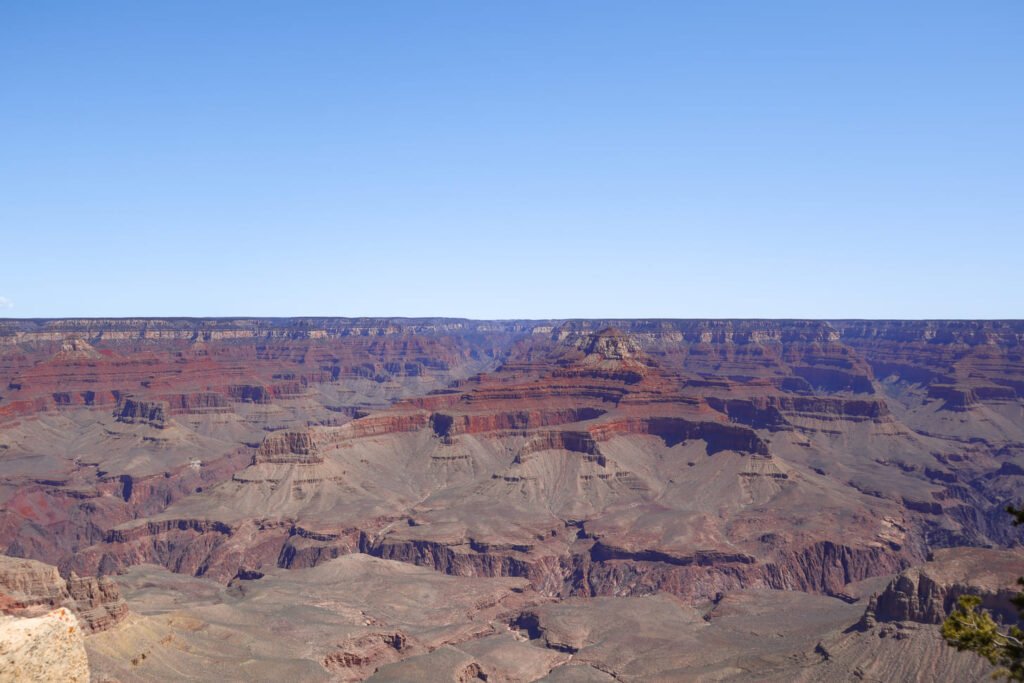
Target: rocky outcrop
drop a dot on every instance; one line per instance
(834, 379)
(385, 423)
(954, 398)
(573, 441)
(929, 593)
(77, 349)
(449, 425)
(360, 655)
(97, 601)
(608, 344)
(824, 568)
(134, 411)
(719, 437)
(46, 648)
(198, 403)
(776, 412)
(137, 531)
(457, 560)
(304, 548)
(26, 584)
(28, 587)
(288, 447)
(250, 393)
(189, 546)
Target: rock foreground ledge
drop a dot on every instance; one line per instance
(46, 648)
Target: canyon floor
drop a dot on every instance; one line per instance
(455, 500)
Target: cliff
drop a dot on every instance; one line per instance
(928, 594)
(28, 588)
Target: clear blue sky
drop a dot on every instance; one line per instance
(512, 159)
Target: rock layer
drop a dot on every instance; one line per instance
(28, 587)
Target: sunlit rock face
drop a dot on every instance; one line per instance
(30, 588)
(50, 647)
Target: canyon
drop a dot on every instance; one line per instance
(569, 500)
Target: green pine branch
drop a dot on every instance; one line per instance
(971, 628)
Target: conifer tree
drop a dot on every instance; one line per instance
(971, 628)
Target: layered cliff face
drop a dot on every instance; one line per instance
(929, 593)
(152, 413)
(28, 588)
(696, 459)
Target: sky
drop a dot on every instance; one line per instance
(557, 159)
